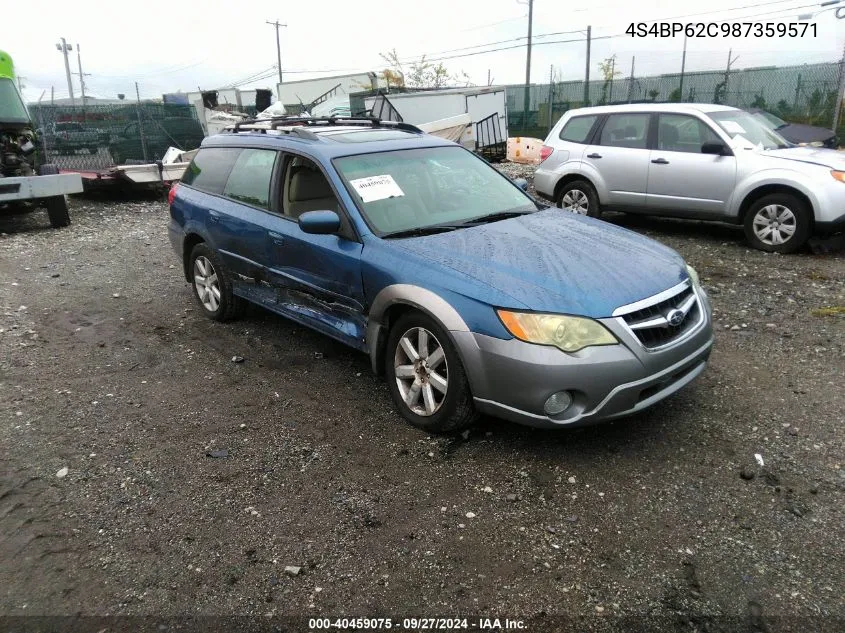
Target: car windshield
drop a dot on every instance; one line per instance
(12, 109)
(742, 125)
(422, 188)
(770, 120)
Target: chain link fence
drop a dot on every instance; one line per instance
(96, 137)
(798, 94)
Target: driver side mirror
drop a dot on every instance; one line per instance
(719, 149)
(521, 183)
(319, 222)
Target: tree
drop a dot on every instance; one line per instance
(419, 74)
(607, 68)
(675, 96)
(759, 102)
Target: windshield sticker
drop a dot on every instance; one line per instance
(374, 188)
(732, 127)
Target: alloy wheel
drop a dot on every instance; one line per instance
(206, 283)
(421, 371)
(775, 224)
(576, 201)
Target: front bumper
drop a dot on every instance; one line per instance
(511, 379)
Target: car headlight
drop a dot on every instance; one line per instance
(567, 333)
(838, 175)
(693, 275)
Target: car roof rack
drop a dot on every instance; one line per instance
(302, 123)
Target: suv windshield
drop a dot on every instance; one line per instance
(412, 189)
(12, 109)
(742, 125)
(770, 120)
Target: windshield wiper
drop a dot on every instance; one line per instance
(499, 215)
(424, 230)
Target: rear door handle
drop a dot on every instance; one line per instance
(660, 161)
(277, 238)
(593, 155)
(214, 216)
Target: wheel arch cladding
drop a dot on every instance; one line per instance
(568, 178)
(398, 299)
(191, 240)
(766, 190)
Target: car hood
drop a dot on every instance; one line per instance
(553, 261)
(802, 133)
(829, 158)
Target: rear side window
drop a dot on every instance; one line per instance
(625, 130)
(577, 129)
(250, 179)
(210, 168)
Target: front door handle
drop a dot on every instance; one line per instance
(660, 161)
(277, 238)
(214, 216)
(593, 155)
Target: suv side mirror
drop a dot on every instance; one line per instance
(719, 149)
(521, 183)
(319, 222)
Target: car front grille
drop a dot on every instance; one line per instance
(664, 321)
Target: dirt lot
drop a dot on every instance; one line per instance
(108, 373)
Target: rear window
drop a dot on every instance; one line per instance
(577, 129)
(210, 168)
(250, 179)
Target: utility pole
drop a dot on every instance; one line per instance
(631, 80)
(20, 84)
(278, 49)
(728, 70)
(587, 73)
(64, 47)
(82, 75)
(141, 123)
(840, 93)
(52, 95)
(612, 73)
(683, 67)
(527, 101)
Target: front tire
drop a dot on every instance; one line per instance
(579, 197)
(425, 376)
(212, 285)
(778, 223)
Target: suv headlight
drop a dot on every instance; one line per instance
(694, 276)
(567, 333)
(838, 175)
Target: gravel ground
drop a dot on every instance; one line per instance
(146, 473)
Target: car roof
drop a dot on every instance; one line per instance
(686, 108)
(327, 140)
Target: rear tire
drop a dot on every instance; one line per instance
(212, 285)
(57, 212)
(433, 398)
(778, 223)
(579, 197)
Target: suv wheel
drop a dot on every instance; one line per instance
(426, 377)
(778, 223)
(212, 286)
(579, 197)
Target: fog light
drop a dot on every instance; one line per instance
(557, 403)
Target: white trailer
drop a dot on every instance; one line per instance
(306, 91)
(47, 190)
(486, 106)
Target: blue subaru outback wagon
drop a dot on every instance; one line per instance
(467, 294)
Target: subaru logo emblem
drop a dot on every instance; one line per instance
(675, 317)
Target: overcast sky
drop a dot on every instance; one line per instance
(183, 44)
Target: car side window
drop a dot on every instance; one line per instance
(210, 168)
(625, 130)
(306, 189)
(683, 133)
(251, 176)
(577, 129)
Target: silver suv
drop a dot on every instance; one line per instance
(697, 161)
